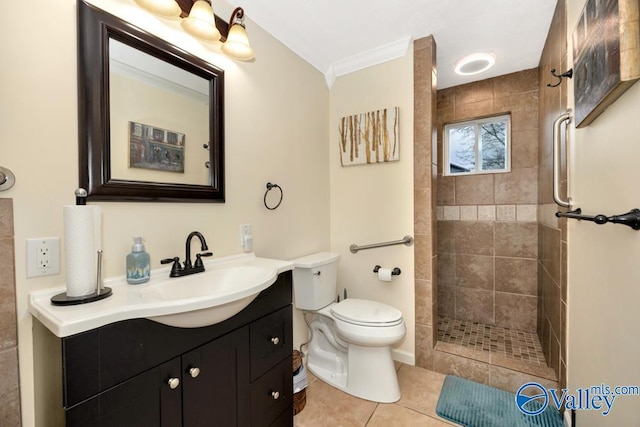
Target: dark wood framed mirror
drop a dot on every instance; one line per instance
(151, 116)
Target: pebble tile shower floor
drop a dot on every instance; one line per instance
(511, 343)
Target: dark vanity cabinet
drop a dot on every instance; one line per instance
(142, 373)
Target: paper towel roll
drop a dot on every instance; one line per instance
(384, 274)
(82, 239)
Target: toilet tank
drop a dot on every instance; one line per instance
(314, 280)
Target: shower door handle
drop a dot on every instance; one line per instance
(566, 117)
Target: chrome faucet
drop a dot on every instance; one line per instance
(177, 270)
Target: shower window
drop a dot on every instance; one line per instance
(478, 146)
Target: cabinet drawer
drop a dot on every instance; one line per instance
(272, 394)
(271, 341)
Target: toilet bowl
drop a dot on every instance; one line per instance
(350, 345)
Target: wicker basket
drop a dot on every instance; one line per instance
(299, 398)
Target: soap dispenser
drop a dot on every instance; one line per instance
(138, 263)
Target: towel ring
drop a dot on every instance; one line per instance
(271, 186)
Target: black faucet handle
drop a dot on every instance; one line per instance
(198, 262)
(175, 268)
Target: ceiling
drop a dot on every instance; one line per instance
(342, 36)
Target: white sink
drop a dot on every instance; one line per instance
(227, 286)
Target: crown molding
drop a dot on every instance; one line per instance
(366, 59)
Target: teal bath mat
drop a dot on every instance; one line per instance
(477, 405)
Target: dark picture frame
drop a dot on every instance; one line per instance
(605, 64)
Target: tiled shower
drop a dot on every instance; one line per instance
(493, 308)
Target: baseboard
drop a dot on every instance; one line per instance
(403, 357)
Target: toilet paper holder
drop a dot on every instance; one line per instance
(395, 272)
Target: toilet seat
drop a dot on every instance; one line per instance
(366, 313)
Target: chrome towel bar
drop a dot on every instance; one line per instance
(406, 240)
(566, 117)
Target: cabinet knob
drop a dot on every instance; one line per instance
(194, 372)
(275, 340)
(275, 395)
(173, 383)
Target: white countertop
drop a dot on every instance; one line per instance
(137, 301)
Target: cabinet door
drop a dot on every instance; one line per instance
(271, 394)
(144, 400)
(271, 340)
(215, 382)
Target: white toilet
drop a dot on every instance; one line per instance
(350, 346)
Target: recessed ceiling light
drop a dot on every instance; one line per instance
(474, 64)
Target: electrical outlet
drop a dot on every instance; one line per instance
(43, 256)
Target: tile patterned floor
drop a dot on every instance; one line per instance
(511, 343)
(420, 388)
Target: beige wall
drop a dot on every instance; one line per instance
(604, 272)
(276, 130)
(374, 203)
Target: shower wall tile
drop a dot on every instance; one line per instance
(475, 109)
(516, 239)
(446, 236)
(422, 208)
(526, 213)
(424, 346)
(423, 301)
(524, 81)
(8, 331)
(451, 213)
(469, 213)
(473, 92)
(425, 184)
(447, 301)
(446, 190)
(422, 253)
(474, 190)
(524, 149)
(475, 305)
(6, 217)
(10, 388)
(552, 304)
(470, 369)
(446, 269)
(474, 271)
(517, 276)
(524, 120)
(509, 380)
(487, 213)
(516, 311)
(445, 99)
(518, 186)
(422, 165)
(506, 212)
(474, 237)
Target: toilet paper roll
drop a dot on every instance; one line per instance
(384, 274)
(82, 239)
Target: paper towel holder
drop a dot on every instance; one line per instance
(395, 272)
(101, 291)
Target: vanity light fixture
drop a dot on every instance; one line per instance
(475, 64)
(237, 43)
(201, 24)
(168, 9)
